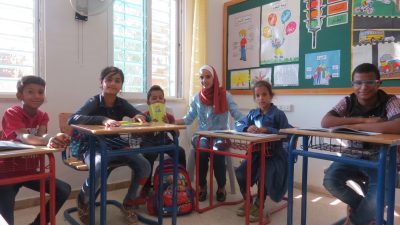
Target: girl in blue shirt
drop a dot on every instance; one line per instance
(108, 109)
(267, 118)
(211, 106)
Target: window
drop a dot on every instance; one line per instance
(146, 44)
(18, 42)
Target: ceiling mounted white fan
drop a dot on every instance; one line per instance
(90, 7)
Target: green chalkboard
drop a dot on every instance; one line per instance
(325, 32)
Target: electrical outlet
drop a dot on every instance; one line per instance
(285, 107)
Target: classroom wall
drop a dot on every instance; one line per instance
(308, 110)
(72, 74)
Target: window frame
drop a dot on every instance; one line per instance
(39, 46)
(148, 56)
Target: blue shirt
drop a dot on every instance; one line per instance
(208, 119)
(274, 120)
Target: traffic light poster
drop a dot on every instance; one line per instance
(280, 32)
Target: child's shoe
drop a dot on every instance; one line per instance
(135, 203)
(83, 209)
(221, 196)
(130, 214)
(253, 213)
(241, 211)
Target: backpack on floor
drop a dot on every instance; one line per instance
(185, 193)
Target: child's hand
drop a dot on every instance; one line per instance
(165, 119)
(374, 120)
(111, 123)
(252, 129)
(140, 118)
(61, 140)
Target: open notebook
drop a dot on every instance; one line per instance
(10, 145)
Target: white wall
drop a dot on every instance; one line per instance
(308, 109)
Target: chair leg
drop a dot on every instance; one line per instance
(231, 173)
(191, 164)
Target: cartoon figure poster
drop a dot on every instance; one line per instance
(386, 8)
(260, 74)
(280, 32)
(321, 67)
(389, 61)
(240, 79)
(244, 39)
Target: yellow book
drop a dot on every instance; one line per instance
(157, 112)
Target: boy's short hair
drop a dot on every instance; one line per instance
(154, 88)
(111, 70)
(25, 80)
(366, 68)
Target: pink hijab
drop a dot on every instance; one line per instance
(215, 95)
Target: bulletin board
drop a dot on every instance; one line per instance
(309, 46)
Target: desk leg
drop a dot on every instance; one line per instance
(197, 173)
(175, 185)
(262, 181)
(92, 190)
(304, 184)
(248, 181)
(211, 146)
(103, 183)
(161, 188)
(290, 180)
(391, 184)
(52, 178)
(381, 186)
(42, 192)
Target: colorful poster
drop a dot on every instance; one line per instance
(244, 39)
(240, 79)
(280, 32)
(321, 67)
(260, 74)
(376, 8)
(389, 61)
(286, 75)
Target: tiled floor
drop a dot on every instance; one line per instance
(322, 210)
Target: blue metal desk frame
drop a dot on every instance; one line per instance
(380, 164)
(103, 186)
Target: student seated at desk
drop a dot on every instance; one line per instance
(267, 118)
(28, 124)
(108, 109)
(370, 109)
(211, 106)
(156, 95)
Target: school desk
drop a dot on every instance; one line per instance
(96, 133)
(388, 148)
(247, 145)
(43, 173)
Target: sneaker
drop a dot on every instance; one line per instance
(202, 196)
(135, 203)
(221, 196)
(83, 209)
(253, 213)
(130, 215)
(241, 211)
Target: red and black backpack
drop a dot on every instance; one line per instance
(185, 193)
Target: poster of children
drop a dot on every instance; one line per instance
(244, 39)
(280, 32)
(321, 67)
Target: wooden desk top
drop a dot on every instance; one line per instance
(389, 139)
(101, 130)
(39, 150)
(267, 138)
